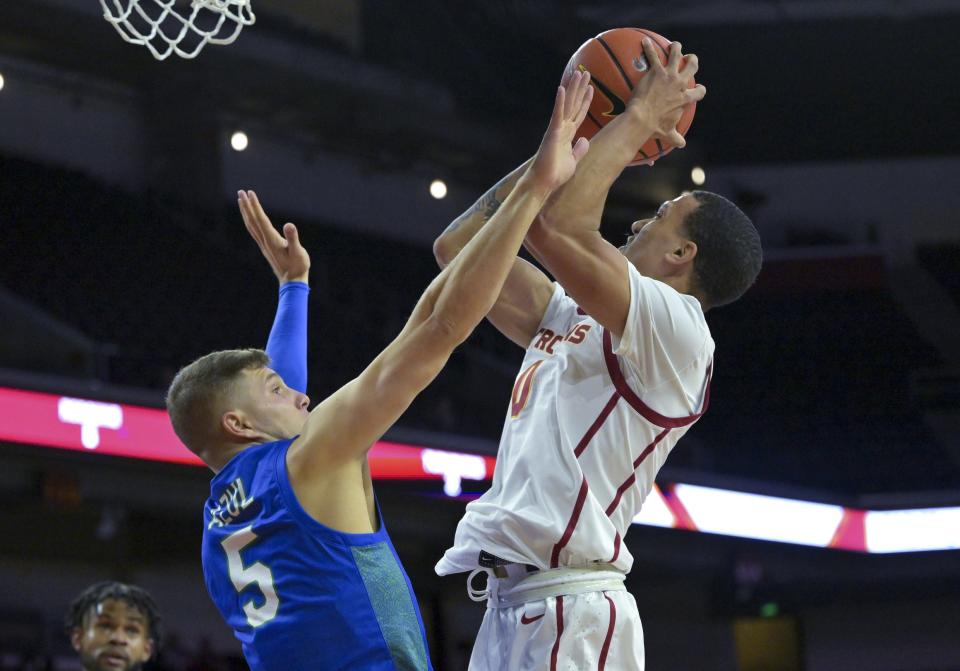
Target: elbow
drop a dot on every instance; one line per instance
(446, 331)
(544, 218)
(444, 251)
(548, 234)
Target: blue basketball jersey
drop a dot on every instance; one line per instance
(300, 595)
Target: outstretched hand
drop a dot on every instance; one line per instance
(662, 92)
(286, 256)
(556, 159)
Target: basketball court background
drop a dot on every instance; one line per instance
(838, 376)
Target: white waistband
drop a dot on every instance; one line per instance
(507, 592)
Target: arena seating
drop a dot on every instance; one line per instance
(943, 262)
(795, 398)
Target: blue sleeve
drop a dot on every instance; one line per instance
(287, 346)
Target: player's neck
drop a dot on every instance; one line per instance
(680, 283)
(219, 456)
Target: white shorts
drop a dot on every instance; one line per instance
(559, 620)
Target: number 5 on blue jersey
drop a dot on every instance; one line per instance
(257, 572)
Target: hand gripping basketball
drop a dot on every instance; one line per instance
(660, 96)
(556, 159)
(618, 62)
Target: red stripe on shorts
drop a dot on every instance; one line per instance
(556, 644)
(606, 641)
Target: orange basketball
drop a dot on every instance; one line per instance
(615, 61)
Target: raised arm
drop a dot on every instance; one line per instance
(566, 238)
(287, 344)
(342, 428)
(462, 229)
(526, 292)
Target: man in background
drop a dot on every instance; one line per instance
(114, 627)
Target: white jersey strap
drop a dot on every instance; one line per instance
(479, 594)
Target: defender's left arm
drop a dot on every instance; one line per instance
(566, 236)
(287, 344)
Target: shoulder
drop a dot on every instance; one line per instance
(665, 332)
(663, 306)
(561, 308)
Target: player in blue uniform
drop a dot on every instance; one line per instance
(295, 555)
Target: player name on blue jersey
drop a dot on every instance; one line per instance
(298, 594)
(229, 505)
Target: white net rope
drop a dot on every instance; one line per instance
(176, 26)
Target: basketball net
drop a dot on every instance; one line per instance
(164, 28)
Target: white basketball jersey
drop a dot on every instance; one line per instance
(592, 418)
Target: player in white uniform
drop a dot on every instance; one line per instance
(617, 368)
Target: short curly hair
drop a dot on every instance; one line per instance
(135, 596)
(729, 254)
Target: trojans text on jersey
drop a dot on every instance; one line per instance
(546, 339)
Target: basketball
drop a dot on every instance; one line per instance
(616, 62)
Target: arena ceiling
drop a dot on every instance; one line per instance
(466, 83)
